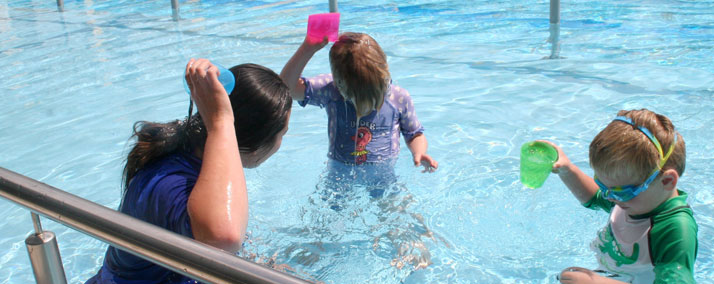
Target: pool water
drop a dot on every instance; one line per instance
(73, 83)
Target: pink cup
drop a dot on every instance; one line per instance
(321, 25)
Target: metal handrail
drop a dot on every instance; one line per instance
(172, 251)
(44, 255)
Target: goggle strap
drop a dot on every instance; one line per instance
(649, 180)
(669, 151)
(664, 157)
(649, 135)
(644, 130)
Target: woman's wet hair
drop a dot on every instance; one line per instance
(261, 105)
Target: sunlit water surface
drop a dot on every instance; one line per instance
(73, 83)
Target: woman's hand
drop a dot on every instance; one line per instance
(207, 92)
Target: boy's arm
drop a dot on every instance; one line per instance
(673, 242)
(581, 185)
(293, 68)
(418, 145)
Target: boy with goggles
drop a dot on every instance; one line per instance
(651, 235)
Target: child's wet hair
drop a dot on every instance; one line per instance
(360, 71)
(622, 150)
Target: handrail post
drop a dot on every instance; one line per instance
(554, 11)
(60, 5)
(333, 6)
(554, 38)
(174, 10)
(44, 255)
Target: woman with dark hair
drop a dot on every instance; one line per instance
(187, 175)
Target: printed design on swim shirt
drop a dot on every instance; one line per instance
(396, 116)
(362, 138)
(657, 247)
(609, 245)
(622, 247)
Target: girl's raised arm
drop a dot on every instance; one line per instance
(293, 68)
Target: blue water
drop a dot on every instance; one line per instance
(73, 83)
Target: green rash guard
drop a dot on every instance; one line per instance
(657, 247)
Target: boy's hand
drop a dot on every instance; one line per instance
(580, 184)
(579, 275)
(572, 275)
(430, 165)
(563, 163)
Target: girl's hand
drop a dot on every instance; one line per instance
(314, 45)
(207, 92)
(562, 165)
(430, 165)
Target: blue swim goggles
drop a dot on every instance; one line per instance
(627, 192)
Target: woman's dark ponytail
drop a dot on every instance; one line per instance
(155, 140)
(261, 106)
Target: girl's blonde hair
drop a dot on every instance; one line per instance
(621, 150)
(360, 71)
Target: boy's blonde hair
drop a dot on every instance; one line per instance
(360, 71)
(621, 150)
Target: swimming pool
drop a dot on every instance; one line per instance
(73, 84)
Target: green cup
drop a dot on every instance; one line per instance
(537, 159)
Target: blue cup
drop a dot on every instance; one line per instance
(225, 77)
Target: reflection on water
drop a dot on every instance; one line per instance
(479, 85)
(355, 207)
